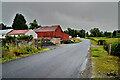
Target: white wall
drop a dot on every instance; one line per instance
(14, 35)
(31, 32)
(2, 36)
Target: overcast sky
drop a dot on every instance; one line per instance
(60, 0)
(77, 15)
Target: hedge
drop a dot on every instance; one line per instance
(115, 47)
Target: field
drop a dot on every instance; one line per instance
(105, 38)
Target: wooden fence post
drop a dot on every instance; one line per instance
(110, 49)
(33, 43)
(99, 42)
(41, 43)
(103, 44)
(37, 43)
(16, 42)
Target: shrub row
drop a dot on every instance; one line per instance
(9, 38)
(10, 51)
(115, 47)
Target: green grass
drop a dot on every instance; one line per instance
(93, 42)
(95, 55)
(75, 40)
(103, 64)
(104, 38)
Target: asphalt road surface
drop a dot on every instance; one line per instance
(62, 62)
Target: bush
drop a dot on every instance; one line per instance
(24, 37)
(101, 42)
(24, 50)
(75, 40)
(115, 49)
(18, 51)
(29, 48)
(9, 38)
(66, 42)
(5, 52)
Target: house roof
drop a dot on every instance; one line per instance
(18, 32)
(3, 32)
(47, 28)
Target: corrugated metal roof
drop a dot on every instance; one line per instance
(5, 31)
(18, 32)
(47, 28)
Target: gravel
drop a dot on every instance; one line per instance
(87, 73)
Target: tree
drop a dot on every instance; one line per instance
(3, 26)
(34, 25)
(107, 34)
(87, 34)
(95, 32)
(74, 33)
(82, 33)
(19, 22)
(69, 31)
(101, 34)
(114, 33)
(66, 32)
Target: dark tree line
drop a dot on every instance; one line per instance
(75, 33)
(2, 27)
(95, 32)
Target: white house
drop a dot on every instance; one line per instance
(23, 32)
(70, 36)
(3, 33)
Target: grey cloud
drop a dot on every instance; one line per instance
(78, 15)
(59, 0)
(0, 12)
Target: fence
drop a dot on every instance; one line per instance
(34, 42)
(20, 47)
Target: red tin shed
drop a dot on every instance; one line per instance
(51, 32)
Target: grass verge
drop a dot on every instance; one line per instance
(12, 53)
(93, 42)
(104, 66)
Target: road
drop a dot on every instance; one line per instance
(62, 62)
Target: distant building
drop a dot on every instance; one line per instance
(70, 36)
(3, 33)
(23, 32)
(54, 31)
